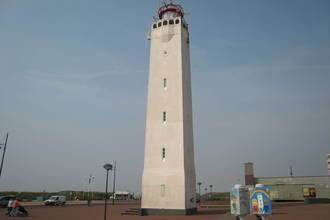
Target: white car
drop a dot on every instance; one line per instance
(56, 200)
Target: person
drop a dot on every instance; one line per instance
(9, 206)
(14, 209)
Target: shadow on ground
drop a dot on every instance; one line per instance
(211, 212)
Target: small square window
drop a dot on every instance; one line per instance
(177, 21)
(162, 190)
(163, 154)
(154, 26)
(171, 21)
(164, 22)
(159, 24)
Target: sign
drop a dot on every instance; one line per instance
(260, 201)
(239, 201)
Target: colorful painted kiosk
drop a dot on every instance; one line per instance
(260, 202)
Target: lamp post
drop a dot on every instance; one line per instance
(114, 184)
(107, 167)
(211, 186)
(199, 191)
(90, 180)
(206, 192)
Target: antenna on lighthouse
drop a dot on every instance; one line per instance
(170, 10)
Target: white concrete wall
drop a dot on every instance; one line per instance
(169, 183)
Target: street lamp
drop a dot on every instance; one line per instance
(90, 180)
(114, 184)
(199, 190)
(211, 186)
(206, 192)
(107, 167)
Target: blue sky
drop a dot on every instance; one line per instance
(73, 89)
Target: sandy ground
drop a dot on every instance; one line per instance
(281, 211)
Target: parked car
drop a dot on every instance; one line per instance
(4, 200)
(56, 200)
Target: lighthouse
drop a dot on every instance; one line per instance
(169, 180)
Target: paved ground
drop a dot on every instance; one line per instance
(282, 211)
(292, 212)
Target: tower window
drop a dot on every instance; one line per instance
(154, 26)
(159, 24)
(164, 22)
(177, 21)
(184, 25)
(164, 117)
(162, 190)
(163, 154)
(165, 83)
(171, 22)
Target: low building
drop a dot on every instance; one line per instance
(297, 187)
(293, 187)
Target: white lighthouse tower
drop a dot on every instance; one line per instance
(169, 181)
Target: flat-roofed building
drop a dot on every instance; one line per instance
(292, 187)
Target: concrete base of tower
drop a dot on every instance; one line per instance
(168, 212)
